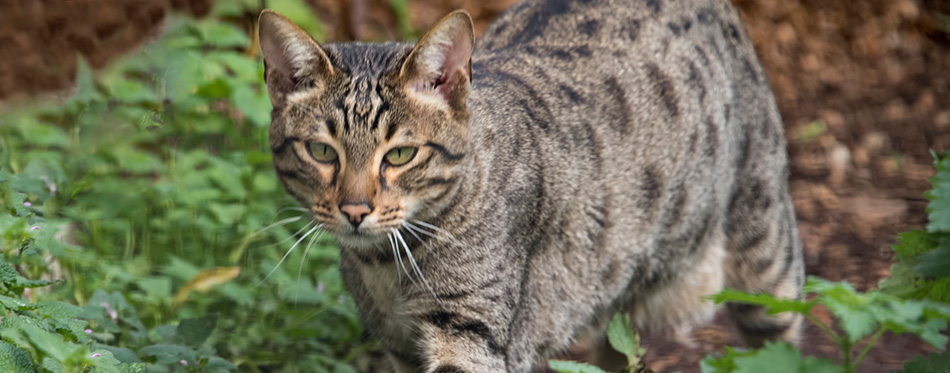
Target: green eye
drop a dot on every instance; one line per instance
(322, 152)
(400, 156)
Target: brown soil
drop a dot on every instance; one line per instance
(40, 40)
(875, 74)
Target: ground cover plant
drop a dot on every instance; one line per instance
(142, 221)
(143, 230)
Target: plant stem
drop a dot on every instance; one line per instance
(867, 348)
(828, 331)
(845, 345)
(842, 341)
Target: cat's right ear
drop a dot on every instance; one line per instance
(292, 60)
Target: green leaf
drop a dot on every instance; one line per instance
(228, 214)
(15, 304)
(562, 366)
(774, 305)
(157, 288)
(193, 332)
(14, 360)
(930, 364)
(105, 362)
(7, 273)
(622, 337)
(217, 88)
(132, 91)
(51, 365)
(939, 206)
(935, 263)
(723, 363)
(773, 358)
(121, 354)
(51, 344)
(853, 310)
(136, 161)
(169, 354)
(217, 364)
(57, 310)
(47, 135)
(301, 14)
(781, 357)
(85, 85)
(247, 70)
(255, 105)
(912, 243)
(861, 313)
(223, 35)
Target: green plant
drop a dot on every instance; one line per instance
(60, 337)
(862, 319)
(622, 337)
(154, 192)
(922, 267)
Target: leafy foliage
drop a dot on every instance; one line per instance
(922, 270)
(149, 198)
(562, 366)
(774, 357)
(913, 299)
(622, 337)
(860, 316)
(930, 364)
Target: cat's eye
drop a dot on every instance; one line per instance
(322, 152)
(400, 156)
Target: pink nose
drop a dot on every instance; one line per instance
(356, 211)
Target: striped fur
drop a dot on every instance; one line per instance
(590, 157)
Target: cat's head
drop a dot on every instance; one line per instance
(369, 136)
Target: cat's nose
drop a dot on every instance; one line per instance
(356, 211)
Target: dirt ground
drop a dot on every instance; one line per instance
(863, 86)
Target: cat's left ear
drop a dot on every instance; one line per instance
(439, 68)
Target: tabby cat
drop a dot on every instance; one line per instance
(492, 202)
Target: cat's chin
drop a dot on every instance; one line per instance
(361, 241)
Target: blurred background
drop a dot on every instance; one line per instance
(133, 138)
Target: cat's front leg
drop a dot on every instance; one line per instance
(454, 343)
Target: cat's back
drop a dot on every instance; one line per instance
(575, 30)
(660, 106)
(678, 75)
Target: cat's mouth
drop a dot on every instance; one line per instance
(360, 237)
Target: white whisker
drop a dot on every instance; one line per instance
(303, 260)
(412, 230)
(392, 240)
(415, 267)
(315, 227)
(305, 227)
(290, 208)
(437, 229)
(276, 224)
(450, 238)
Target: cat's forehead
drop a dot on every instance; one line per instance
(361, 97)
(367, 59)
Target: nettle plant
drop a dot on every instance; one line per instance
(149, 198)
(862, 318)
(54, 336)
